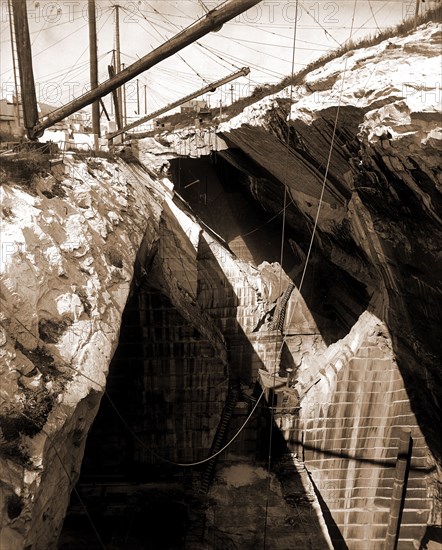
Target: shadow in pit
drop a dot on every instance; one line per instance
(158, 381)
(347, 456)
(299, 493)
(218, 195)
(229, 196)
(411, 275)
(218, 189)
(337, 539)
(433, 533)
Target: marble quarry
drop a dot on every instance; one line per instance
(273, 282)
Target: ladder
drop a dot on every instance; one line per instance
(218, 440)
(15, 67)
(281, 309)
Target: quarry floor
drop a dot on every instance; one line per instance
(246, 508)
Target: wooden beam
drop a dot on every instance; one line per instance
(209, 88)
(115, 99)
(399, 490)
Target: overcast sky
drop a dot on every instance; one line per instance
(261, 38)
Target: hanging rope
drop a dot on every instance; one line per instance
(123, 420)
(324, 181)
(184, 464)
(284, 210)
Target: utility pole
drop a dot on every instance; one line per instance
(416, 14)
(118, 63)
(124, 110)
(94, 70)
(231, 93)
(14, 66)
(145, 99)
(24, 54)
(138, 97)
(115, 103)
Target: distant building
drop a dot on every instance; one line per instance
(203, 115)
(193, 106)
(160, 124)
(79, 122)
(8, 117)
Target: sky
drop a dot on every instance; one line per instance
(261, 38)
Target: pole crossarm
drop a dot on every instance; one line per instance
(212, 21)
(209, 88)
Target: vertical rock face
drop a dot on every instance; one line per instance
(69, 254)
(365, 144)
(350, 422)
(69, 243)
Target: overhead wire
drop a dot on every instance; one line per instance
(178, 54)
(263, 53)
(324, 182)
(240, 40)
(205, 8)
(53, 26)
(200, 45)
(60, 40)
(322, 26)
(270, 72)
(373, 15)
(123, 420)
(41, 28)
(84, 51)
(279, 35)
(269, 463)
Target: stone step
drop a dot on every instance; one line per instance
(376, 544)
(370, 363)
(374, 352)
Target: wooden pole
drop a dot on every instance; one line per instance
(94, 70)
(118, 65)
(124, 111)
(212, 21)
(24, 54)
(103, 106)
(14, 67)
(399, 490)
(138, 97)
(209, 88)
(116, 104)
(416, 14)
(145, 99)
